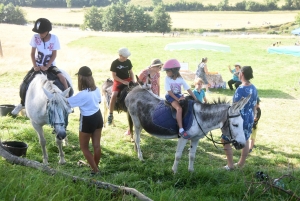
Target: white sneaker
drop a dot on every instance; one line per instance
(17, 109)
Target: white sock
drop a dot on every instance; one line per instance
(181, 130)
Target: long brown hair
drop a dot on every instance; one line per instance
(86, 82)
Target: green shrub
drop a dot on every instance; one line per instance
(11, 14)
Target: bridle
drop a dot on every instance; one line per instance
(226, 122)
(51, 108)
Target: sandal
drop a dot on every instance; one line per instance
(226, 167)
(92, 174)
(81, 163)
(127, 132)
(184, 135)
(236, 165)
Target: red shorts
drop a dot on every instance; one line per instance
(117, 83)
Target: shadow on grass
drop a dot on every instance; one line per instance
(263, 93)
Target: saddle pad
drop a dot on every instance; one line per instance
(162, 117)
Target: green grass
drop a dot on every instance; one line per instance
(276, 153)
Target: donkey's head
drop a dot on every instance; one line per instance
(233, 125)
(146, 85)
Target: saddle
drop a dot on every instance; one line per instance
(164, 116)
(184, 105)
(120, 102)
(30, 76)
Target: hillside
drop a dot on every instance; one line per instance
(204, 2)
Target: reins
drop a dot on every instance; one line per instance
(211, 139)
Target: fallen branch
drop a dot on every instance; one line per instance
(44, 168)
(271, 183)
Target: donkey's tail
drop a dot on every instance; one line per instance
(130, 124)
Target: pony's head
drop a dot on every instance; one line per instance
(58, 110)
(233, 125)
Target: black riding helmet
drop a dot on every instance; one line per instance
(42, 25)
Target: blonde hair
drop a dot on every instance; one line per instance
(198, 80)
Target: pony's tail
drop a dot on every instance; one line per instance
(130, 124)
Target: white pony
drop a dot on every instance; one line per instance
(45, 103)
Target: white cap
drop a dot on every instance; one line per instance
(124, 52)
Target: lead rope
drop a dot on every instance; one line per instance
(211, 139)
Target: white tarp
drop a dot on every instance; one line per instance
(290, 50)
(197, 45)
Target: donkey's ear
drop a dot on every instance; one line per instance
(65, 93)
(48, 93)
(237, 106)
(138, 80)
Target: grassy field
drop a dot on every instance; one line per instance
(277, 147)
(187, 20)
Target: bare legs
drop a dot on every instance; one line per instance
(111, 107)
(84, 139)
(229, 154)
(63, 80)
(251, 144)
(178, 108)
(113, 101)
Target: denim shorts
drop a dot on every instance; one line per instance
(170, 99)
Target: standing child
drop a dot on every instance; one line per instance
(235, 79)
(257, 115)
(44, 48)
(173, 83)
(198, 91)
(91, 122)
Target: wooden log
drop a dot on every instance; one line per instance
(40, 166)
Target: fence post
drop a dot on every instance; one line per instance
(1, 54)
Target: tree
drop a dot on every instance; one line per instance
(92, 19)
(69, 3)
(137, 19)
(161, 20)
(12, 15)
(223, 5)
(297, 19)
(156, 2)
(114, 18)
